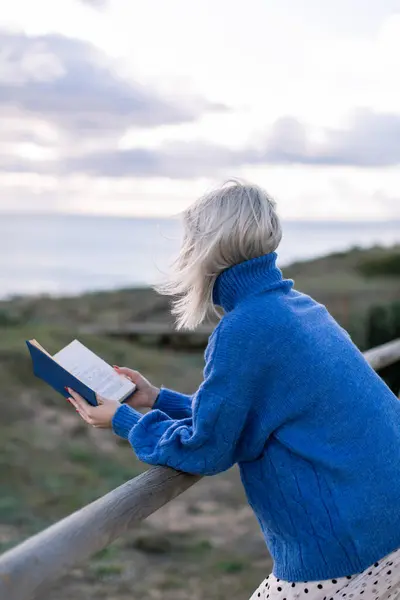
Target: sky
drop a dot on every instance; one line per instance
(129, 107)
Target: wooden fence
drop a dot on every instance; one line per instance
(27, 570)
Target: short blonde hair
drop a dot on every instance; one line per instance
(232, 224)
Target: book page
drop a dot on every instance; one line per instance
(94, 372)
(36, 343)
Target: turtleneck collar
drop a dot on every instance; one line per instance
(246, 279)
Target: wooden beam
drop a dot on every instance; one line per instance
(383, 356)
(28, 569)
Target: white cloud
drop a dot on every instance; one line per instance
(267, 60)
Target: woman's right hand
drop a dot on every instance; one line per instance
(145, 394)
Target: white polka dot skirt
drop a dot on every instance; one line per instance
(381, 581)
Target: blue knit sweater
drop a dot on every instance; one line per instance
(315, 431)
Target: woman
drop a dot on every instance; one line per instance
(287, 396)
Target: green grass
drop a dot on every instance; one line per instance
(106, 570)
(39, 486)
(231, 566)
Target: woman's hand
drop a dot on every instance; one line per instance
(145, 394)
(97, 416)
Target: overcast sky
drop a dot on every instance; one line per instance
(137, 107)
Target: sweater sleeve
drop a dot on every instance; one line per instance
(174, 404)
(207, 442)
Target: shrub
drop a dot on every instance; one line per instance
(381, 266)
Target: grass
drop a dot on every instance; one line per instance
(231, 566)
(168, 543)
(39, 487)
(106, 570)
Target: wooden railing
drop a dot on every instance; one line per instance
(383, 356)
(29, 568)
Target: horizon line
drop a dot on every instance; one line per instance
(7, 213)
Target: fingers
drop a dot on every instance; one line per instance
(77, 400)
(134, 376)
(83, 408)
(100, 399)
(96, 416)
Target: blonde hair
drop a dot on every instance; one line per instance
(232, 224)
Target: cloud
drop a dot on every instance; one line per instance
(68, 83)
(371, 139)
(71, 84)
(95, 3)
(174, 160)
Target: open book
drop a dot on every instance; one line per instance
(80, 369)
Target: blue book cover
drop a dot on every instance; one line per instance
(47, 369)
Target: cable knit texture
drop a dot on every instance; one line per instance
(315, 431)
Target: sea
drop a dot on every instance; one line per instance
(62, 255)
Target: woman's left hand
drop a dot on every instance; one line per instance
(97, 416)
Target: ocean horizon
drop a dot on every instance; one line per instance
(67, 254)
